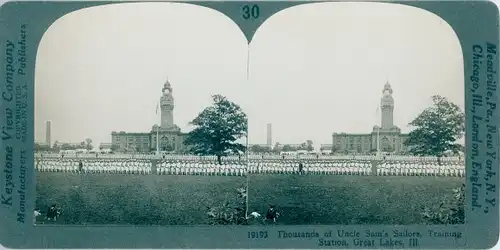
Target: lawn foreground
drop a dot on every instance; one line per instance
(183, 200)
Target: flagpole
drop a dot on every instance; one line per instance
(378, 131)
(157, 140)
(158, 133)
(378, 142)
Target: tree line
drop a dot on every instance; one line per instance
(58, 146)
(220, 127)
(435, 131)
(278, 147)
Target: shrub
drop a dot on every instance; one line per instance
(230, 213)
(449, 211)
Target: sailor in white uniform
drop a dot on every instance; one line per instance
(142, 168)
(383, 170)
(188, 166)
(199, 167)
(55, 166)
(177, 167)
(138, 167)
(239, 169)
(368, 168)
(128, 168)
(164, 168)
(211, 169)
(135, 169)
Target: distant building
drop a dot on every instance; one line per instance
(259, 145)
(42, 144)
(292, 147)
(105, 145)
(389, 136)
(170, 136)
(47, 133)
(326, 148)
(59, 144)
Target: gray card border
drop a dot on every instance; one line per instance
(474, 22)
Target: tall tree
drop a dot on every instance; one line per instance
(56, 147)
(41, 148)
(277, 148)
(67, 146)
(288, 148)
(309, 146)
(437, 129)
(217, 129)
(88, 144)
(256, 149)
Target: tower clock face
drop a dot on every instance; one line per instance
(167, 99)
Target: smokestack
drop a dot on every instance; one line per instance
(269, 135)
(47, 133)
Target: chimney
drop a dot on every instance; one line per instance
(269, 135)
(47, 134)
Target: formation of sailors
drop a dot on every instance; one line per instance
(227, 168)
(311, 167)
(94, 166)
(456, 169)
(138, 166)
(251, 157)
(358, 167)
(239, 168)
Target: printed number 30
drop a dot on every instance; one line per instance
(250, 12)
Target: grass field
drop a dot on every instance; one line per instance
(342, 200)
(183, 200)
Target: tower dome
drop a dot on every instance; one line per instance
(387, 89)
(167, 88)
(387, 99)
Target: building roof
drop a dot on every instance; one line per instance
(105, 145)
(260, 145)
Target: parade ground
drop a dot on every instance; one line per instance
(183, 200)
(346, 200)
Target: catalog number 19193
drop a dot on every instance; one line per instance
(257, 235)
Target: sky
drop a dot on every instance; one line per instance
(313, 69)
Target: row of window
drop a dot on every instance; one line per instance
(358, 139)
(367, 147)
(132, 139)
(140, 139)
(145, 145)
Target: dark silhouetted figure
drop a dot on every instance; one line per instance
(271, 213)
(52, 213)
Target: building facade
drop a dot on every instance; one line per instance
(167, 136)
(387, 137)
